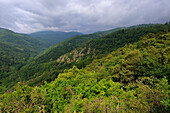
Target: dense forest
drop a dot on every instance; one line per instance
(68, 45)
(84, 56)
(36, 67)
(16, 50)
(79, 51)
(120, 70)
(132, 77)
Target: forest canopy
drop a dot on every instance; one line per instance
(133, 78)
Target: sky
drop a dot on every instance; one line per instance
(86, 16)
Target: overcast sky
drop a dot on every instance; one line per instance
(87, 16)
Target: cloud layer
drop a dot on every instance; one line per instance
(85, 16)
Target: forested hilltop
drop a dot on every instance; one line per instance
(34, 68)
(133, 78)
(16, 50)
(79, 51)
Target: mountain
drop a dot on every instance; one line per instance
(53, 37)
(30, 71)
(133, 78)
(68, 45)
(10, 37)
(100, 47)
(16, 50)
(79, 51)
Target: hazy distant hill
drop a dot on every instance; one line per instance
(53, 37)
(10, 37)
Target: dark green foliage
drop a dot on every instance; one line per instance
(22, 41)
(130, 79)
(54, 52)
(36, 71)
(102, 47)
(121, 37)
(15, 51)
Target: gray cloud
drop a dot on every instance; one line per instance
(80, 15)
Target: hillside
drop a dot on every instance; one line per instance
(110, 42)
(133, 78)
(12, 38)
(36, 73)
(55, 51)
(53, 37)
(16, 50)
(24, 42)
(58, 58)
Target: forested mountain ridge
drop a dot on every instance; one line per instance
(16, 39)
(55, 51)
(30, 70)
(110, 42)
(36, 72)
(17, 48)
(53, 37)
(15, 51)
(133, 78)
(85, 54)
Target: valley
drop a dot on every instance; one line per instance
(104, 68)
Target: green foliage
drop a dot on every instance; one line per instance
(102, 44)
(36, 72)
(15, 51)
(130, 79)
(55, 51)
(23, 99)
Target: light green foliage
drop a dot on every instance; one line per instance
(23, 99)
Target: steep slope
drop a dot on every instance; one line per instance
(53, 37)
(133, 78)
(16, 48)
(48, 65)
(12, 57)
(36, 67)
(19, 40)
(68, 45)
(15, 51)
(112, 41)
(38, 72)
